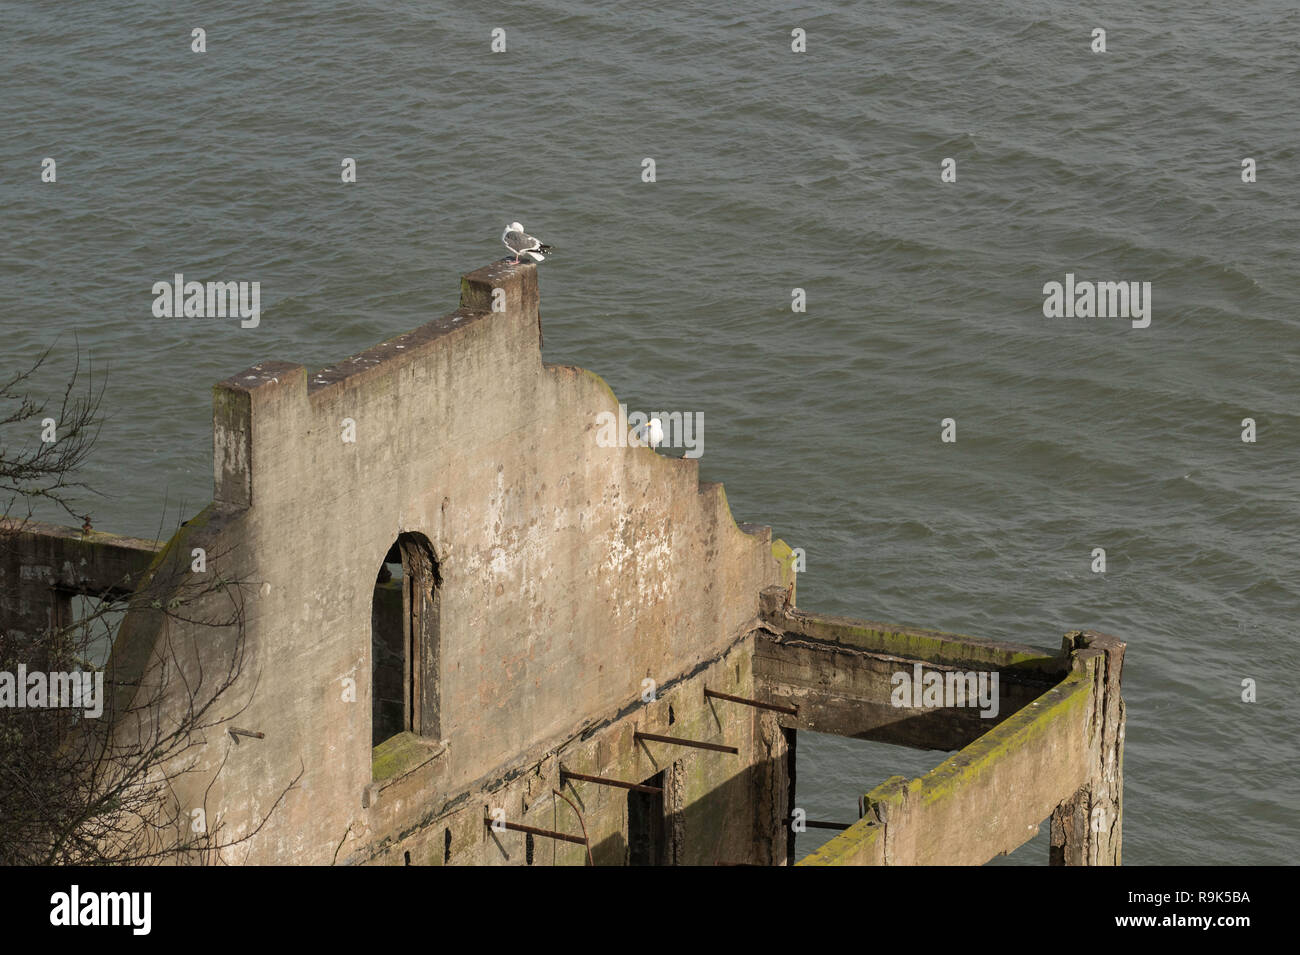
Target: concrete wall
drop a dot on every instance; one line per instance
(720, 807)
(840, 673)
(43, 565)
(549, 584)
(1054, 748)
(570, 573)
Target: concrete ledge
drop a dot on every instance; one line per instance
(91, 562)
(43, 565)
(983, 801)
(398, 757)
(933, 646)
(851, 692)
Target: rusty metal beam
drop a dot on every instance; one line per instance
(548, 833)
(714, 694)
(814, 824)
(637, 787)
(678, 741)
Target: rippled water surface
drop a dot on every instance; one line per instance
(775, 170)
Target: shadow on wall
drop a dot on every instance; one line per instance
(704, 832)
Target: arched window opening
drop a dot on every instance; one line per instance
(404, 642)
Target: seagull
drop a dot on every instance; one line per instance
(521, 243)
(652, 433)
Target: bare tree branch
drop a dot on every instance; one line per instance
(86, 791)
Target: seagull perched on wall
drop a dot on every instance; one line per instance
(652, 433)
(521, 243)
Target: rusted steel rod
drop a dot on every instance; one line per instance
(714, 694)
(637, 787)
(717, 747)
(814, 824)
(586, 839)
(236, 731)
(548, 833)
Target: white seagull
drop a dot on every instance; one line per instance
(521, 243)
(652, 433)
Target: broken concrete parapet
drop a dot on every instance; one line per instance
(1087, 828)
(1059, 754)
(567, 573)
(235, 403)
(42, 566)
(984, 800)
(561, 604)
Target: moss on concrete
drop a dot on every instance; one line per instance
(138, 632)
(597, 379)
(783, 554)
(400, 754)
(933, 646)
(1066, 702)
(860, 844)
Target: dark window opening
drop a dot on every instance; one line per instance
(388, 655)
(404, 642)
(88, 638)
(645, 824)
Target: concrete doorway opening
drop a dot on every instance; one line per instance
(645, 824)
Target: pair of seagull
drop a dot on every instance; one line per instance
(521, 243)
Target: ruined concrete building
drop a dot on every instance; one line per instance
(461, 605)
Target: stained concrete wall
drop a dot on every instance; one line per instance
(719, 807)
(570, 573)
(1054, 749)
(840, 674)
(985, 800)
(43, 565)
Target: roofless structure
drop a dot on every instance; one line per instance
(483, 638)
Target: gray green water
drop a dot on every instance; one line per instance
(775, 170)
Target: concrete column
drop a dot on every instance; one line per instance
(1087, 828)
(772, 790)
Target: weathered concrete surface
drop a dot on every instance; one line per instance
(43, 565)
(556, 597)
(713, 801)
(840, 674)
(934, 646)
(992, 796)
(985, 800)
(1087, 828)
(569, 574)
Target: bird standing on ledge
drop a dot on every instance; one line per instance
(652, 433)
(521, 243)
